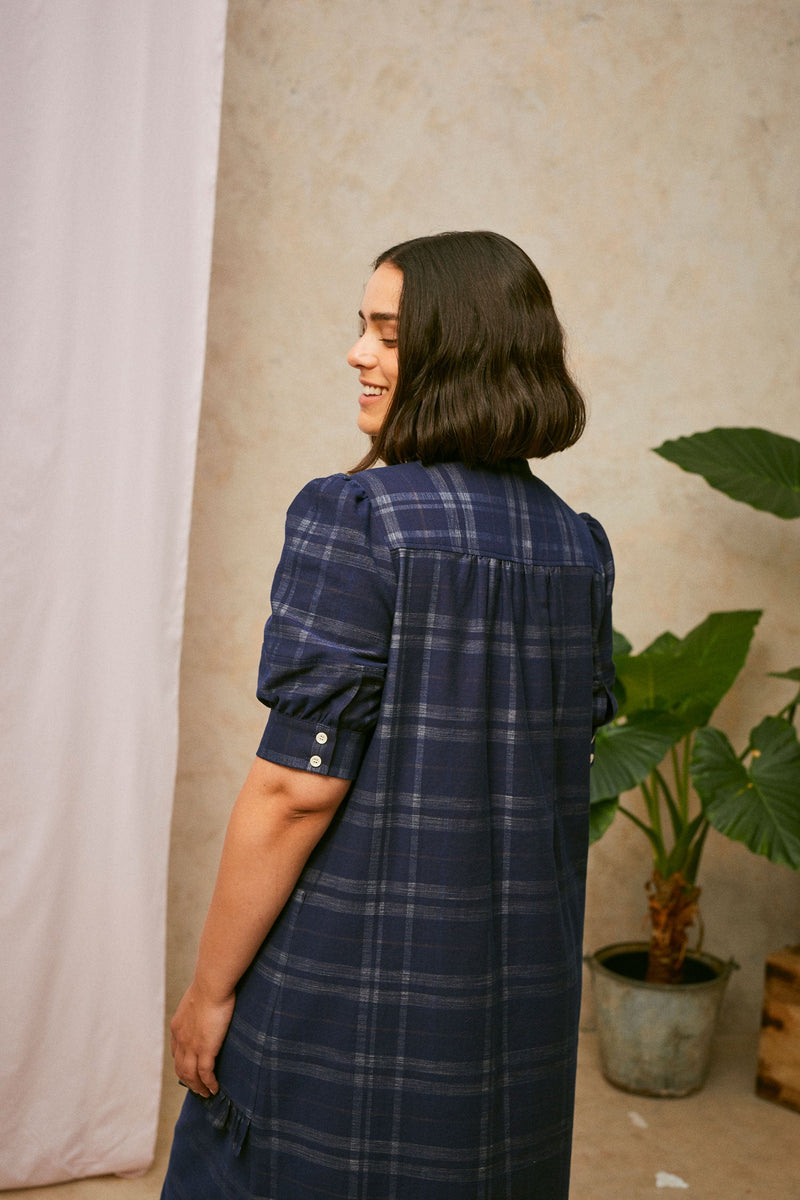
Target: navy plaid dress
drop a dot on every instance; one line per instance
(408, 1029)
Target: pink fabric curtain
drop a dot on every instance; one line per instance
(110, 123)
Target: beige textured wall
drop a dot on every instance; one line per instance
(645, 153)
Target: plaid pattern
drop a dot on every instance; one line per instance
(408, 1030)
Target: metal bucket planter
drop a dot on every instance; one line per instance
(655, 1038)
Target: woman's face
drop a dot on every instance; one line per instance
(374, 355)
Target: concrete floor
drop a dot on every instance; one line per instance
(724, 1142)
(721, 1144)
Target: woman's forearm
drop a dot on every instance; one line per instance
(277, 820)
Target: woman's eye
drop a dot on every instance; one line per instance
(389, 341)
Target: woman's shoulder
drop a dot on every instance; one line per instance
(329, 501)
(328, 489)
(508, 513)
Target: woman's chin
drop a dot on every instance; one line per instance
(368, 422)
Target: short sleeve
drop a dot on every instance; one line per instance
(604, 704)
(323, 661)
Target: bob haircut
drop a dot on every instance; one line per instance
(481, 371)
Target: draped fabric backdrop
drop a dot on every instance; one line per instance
(110, 123)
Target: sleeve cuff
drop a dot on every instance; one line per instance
(312, 746)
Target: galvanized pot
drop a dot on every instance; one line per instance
(655, 1038)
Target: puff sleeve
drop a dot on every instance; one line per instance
(604, 705)
(326, 643)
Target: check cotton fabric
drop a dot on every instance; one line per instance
(408, 1030)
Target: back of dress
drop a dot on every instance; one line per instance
(442, 637)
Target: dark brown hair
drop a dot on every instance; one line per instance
(481, 375)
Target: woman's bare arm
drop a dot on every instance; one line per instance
(276, 822)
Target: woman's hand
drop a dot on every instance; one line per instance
(198, 1028)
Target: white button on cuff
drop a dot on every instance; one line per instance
(322, 738)
(315, 761)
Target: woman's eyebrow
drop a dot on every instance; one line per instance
(377, 317)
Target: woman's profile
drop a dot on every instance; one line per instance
(386, 997)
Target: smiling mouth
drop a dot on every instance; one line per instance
(371, 389)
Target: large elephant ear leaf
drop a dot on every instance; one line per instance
(756, 802)
(687, 676)
(601, 816)
(759, 468)
(626, 752)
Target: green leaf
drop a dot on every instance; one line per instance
(625, 753)
(601, 816)
(794, 677)
(687, 677)
(620, 644)
(760, 468)
(757, 803)
(665, 643)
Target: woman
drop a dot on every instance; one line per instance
(386, 996)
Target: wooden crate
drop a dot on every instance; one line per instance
(779, 1045)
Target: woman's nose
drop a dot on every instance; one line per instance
(360, 355)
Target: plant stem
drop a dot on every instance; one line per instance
(693, 861)
(675, 814)
(649, 833)
(650, 793)
(686, 774)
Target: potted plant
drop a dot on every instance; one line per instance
(691, 780)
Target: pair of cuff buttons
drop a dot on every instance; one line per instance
(315, 760)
